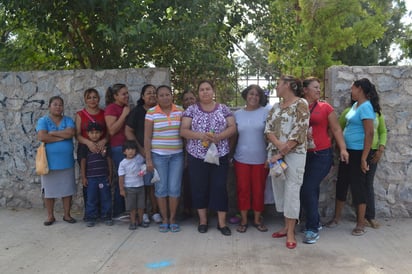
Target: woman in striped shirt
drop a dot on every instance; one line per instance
(164, 151)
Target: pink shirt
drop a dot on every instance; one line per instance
(116, 110)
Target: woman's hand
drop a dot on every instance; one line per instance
(376, 156)
(364, 166)
(344, 156)
(275, 158)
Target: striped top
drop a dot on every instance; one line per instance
(166, 139)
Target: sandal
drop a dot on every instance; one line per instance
(242, 228)
(174, 228)
(163, 228)
(332, 223)
(358, 231)
(372, 223)
(261, 227)
(70, 221)
(49, 222)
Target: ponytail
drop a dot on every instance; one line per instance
(111, 92)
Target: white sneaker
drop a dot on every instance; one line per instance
(157, 218)
(146, 219)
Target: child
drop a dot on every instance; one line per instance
(131, 183)
(96, 174)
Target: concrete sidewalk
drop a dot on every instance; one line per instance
(26, 246)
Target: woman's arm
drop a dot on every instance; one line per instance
(187, 133)
(367, 143)
(338, 135)
(45, 137)
(114, 124)
(66, 133)
(228, 132)
(148, 135)
(129, 132)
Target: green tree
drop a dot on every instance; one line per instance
(377, 53)
(305, 34)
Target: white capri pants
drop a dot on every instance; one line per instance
(286, 189)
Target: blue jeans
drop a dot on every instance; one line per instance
(318, 164)
(170, 169)
(98, 192)
(118, 201)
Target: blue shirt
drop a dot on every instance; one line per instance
(59, 154)
(354, 132)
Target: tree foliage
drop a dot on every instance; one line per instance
(196, 39)
(305, 34)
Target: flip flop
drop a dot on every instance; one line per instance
(174, 228)
(163, 228)
(242, 228)
(261, 227)
(358, 231)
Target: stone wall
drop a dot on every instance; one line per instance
(24, 98)
(393, 180)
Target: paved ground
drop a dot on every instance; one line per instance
(26, 246)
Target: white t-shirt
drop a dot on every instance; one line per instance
(251, 144)
(130, 168)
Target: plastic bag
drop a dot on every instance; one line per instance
(278, 168)
(42, 167)
(156, 177)
(212, 155)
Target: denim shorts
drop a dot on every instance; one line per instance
(170, 169)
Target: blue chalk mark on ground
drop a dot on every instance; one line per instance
(157, 265)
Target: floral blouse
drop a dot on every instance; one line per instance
(290, 123)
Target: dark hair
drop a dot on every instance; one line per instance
(164, 86)
(370, 92)
(111, 91)
(129, 144)
(187, 91)
(141, 101)
(295, 84)
(90, 90)
(94, 126)
(306, 82)
(205, 81)
(57, 97)
(262, 96)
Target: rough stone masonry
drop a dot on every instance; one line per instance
(24, 97)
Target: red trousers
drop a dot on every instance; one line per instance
(250, 181)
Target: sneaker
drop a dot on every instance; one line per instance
(108, 222)
(143, 224)
(310, 237)
(146, 219)
(132, 226)
(157, 218)
(90, 224)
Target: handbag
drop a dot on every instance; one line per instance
(42, 167)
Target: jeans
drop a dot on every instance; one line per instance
(98, 192)
(318, 165)
(118, 200)
(170, 169)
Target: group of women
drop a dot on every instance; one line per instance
(256, 136)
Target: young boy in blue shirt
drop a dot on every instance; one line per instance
(96, 175)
